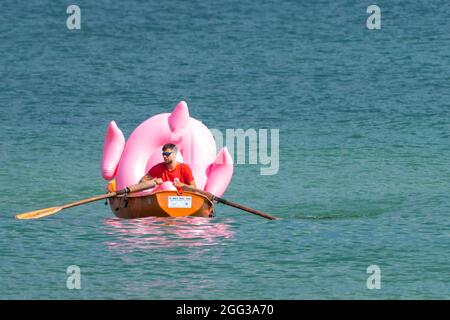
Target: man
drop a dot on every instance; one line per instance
(170, 170)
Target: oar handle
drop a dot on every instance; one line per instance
(209, 195)
(138, 187)
(133, 188)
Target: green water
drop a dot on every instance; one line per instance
(364, 148)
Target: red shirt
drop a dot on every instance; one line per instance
(181, 171)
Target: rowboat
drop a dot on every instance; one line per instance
(165, 203)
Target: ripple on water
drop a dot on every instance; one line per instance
(162, 233)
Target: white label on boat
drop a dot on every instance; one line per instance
(180, 202)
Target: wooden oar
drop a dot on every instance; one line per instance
(49, 211)
(212, 197)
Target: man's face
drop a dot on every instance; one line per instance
(169, 156)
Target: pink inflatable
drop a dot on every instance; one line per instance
(128, 162)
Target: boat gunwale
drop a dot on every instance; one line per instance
(135, 196)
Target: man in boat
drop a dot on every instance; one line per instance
(170, 170)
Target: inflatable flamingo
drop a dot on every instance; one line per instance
(128, 162)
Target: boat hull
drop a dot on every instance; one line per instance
(162, 204)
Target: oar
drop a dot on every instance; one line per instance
(209, 195)
(49, 211)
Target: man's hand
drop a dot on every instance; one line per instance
(177, 183)
(158, 180)
(123, 191)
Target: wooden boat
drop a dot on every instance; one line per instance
(162, 204)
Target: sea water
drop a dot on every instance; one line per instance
(363, 118)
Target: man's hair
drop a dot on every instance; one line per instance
(170, 146)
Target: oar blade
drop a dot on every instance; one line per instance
(38, 213)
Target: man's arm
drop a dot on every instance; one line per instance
(179, 184)
(148, 177)
(146, 182)
(189, 177)
(192, 184)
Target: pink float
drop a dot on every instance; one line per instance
(127, 162)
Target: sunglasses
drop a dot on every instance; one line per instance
(166, 154)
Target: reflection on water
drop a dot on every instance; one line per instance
(155, 233)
